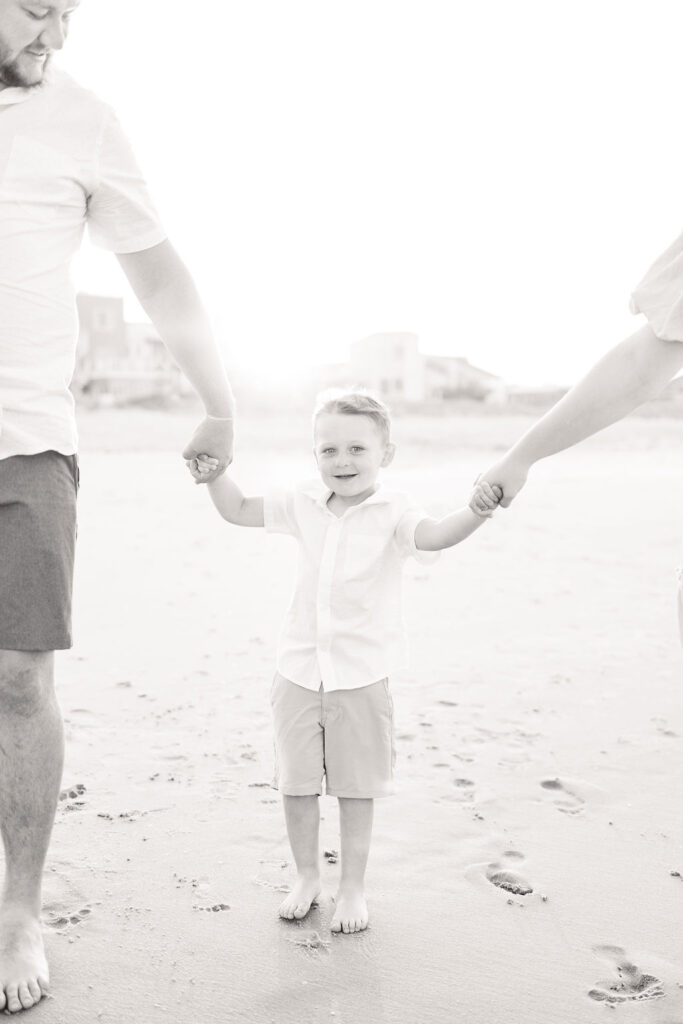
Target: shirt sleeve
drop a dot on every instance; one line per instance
(404, 537)
(279, 514)
(121, 215)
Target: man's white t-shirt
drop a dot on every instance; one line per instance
(64, 162)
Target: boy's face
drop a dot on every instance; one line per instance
(350, 450)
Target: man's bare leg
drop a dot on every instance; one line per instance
(31, 760)
(355, 821)
(302, 814)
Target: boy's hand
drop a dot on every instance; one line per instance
(201, 467)
(485, 499)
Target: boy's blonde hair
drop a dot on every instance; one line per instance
(355, 402)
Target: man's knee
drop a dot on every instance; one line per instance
(26, 681)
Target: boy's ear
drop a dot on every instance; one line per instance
(389, 453)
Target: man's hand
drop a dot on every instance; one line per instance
(509, 475)
(213, 437)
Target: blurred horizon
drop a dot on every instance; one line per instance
(493, 178)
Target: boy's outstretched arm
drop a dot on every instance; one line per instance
(433, 535)
(232, 505)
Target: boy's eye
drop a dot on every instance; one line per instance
(356, 449)
(37, 15)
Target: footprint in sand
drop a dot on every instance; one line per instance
(501, 875)
(309, 939)
(58, 918)
(566, 800)
(70, 797)
(628, 983)
(464, 791)
(461, 793)
(73, 792)
(663, 727)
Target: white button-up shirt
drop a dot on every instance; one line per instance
(344, 627)
(64, 162)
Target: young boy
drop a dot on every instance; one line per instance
(342, 637)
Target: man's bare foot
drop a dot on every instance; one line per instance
(351, 914)
(298, 903)
(24, 976)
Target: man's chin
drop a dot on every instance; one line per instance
(15, 76)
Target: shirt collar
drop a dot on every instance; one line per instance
(14, 94)
(320, 494)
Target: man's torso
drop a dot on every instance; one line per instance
(55, 162)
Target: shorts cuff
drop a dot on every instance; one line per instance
(314, 789)
(42, 646)
(361, 796)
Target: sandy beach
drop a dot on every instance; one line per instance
(539, 733)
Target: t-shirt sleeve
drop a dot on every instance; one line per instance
(404, 537)
(279, 512)
(121, 215)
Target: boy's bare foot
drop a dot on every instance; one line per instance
(351, 914)
(298, 903)
(24, 976)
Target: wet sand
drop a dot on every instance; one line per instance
(530, 868)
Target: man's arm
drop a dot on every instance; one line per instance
(233, 506)
(168, 295)
(629, 374)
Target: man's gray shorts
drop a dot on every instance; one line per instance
(37, 543)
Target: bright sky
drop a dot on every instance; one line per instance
(493, 176)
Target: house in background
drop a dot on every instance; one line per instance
(118, 361)
(455, 377)
(392, 366)
(389, 364)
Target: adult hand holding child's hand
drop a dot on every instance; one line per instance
(485, 499)
(506, 477)
(213, 438)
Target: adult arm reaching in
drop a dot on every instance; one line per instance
(629, 374)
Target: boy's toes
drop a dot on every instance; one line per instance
(25, 997)
(35, 990)
(13, 1004)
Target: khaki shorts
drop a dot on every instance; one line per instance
(345, 736)
(37, 542)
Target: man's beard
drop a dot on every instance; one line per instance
(12, 76)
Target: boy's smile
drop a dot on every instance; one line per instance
(350, 450)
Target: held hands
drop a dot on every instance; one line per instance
(508, 476)
(485, 499)
(203, 468)
(215, 435)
